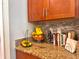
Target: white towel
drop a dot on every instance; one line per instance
(71, 45)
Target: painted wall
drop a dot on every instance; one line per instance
(1, 33)
(5, 44)
(19, 18)
(18, 22)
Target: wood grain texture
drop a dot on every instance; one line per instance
(36, 11)
(45, 10)
(61, 9)
(77, 8)
(22, 55)
(29, 10)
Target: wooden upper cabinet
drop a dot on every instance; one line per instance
(40, 10)
(36, 10)
(60, 9)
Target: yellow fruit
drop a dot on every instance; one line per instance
(25, 43)
(35, 37)
(40, 37)
(30, 43)
(33, 33)
(39, 32)
(38, 29)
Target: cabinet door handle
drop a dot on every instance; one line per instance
(43, 11)
(46, 11)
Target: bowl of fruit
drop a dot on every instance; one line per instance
(38, 35)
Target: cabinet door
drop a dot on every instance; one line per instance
(22, 55)
(60, 9)
(36, 10)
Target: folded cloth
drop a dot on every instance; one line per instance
(71, 45)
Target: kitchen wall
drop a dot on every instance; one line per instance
(19, 18)
(64, 24)
(18, 22)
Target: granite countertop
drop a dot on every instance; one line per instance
(48, 51)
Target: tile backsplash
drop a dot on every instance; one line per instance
(65, 25)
